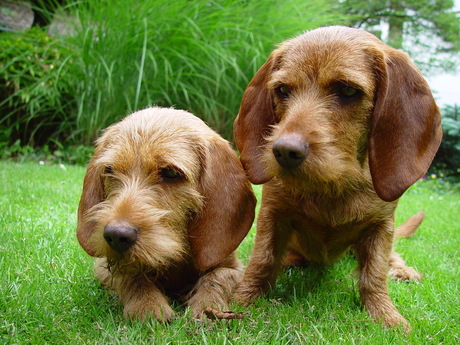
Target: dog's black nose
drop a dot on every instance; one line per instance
(290, 151)
(120, 236)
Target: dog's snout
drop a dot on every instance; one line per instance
(290, 151)
(120, 236)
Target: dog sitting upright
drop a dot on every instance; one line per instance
(336, 125)
(165, 203)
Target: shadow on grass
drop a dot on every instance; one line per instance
(315, 281)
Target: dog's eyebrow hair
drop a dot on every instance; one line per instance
(347, 81)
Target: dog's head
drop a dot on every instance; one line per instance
(163, 187)
(334, 105)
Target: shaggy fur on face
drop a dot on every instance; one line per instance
(336, 125)
(165, 203)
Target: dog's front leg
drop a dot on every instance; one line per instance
(373, 253)
(140, 297)
(213, 291)
(266, 257)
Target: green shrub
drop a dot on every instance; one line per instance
(129, 54)
(54, 153)
(447, 159)
(36, 99)
(195, 55)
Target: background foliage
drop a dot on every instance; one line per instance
(36, 88)
(128, 54)
(110, 58)
(428, 29)
(448, 157)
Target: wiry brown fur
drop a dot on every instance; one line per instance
(363, 152)
(187, 227)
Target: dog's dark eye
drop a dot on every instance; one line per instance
(170, 175)
(108, 170)
(347, 91)
(283, 91)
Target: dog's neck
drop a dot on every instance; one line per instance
(310, 187)
(331, 204)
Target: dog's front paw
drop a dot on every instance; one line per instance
(212, 311)
(143, 312)
(395, 320)
(405, 273)
(213, 314)
(217, 314)
(390, 318)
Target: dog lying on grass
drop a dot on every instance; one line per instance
(165, 203)
(336, 125)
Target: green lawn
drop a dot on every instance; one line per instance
(48, 293)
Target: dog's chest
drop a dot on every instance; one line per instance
(324, 230)
(179, 280)
(320, 243)
(336, 213)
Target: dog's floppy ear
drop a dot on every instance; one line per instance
(405, 127)
(93, 193)
(229, 206)
(254, 121)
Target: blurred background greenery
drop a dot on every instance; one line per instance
(69, 68)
